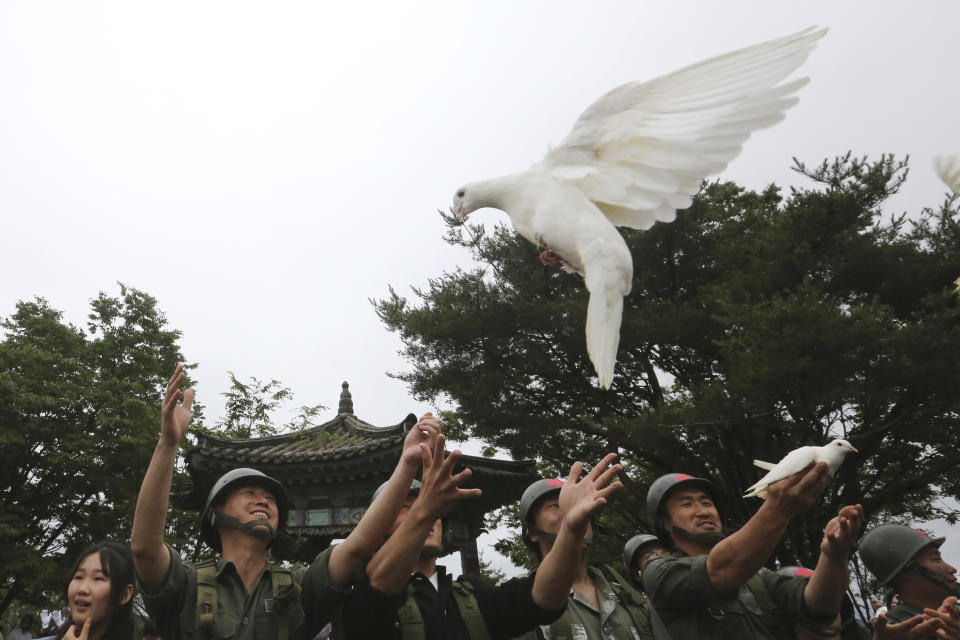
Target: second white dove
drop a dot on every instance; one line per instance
(797, 460)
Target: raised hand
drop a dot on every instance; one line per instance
(440, 489)
(947, 613)
(842, 532)
(175, 417)
(71, 633)
(915, 628)
(796, 494)
(422, 433)
(580, 499)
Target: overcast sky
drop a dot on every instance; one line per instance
(264, 169)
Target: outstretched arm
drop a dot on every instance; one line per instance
(915, 628)
(150, 556)
(370, 532)
(824, 592)
(735, 559)
(389, 570)
(579, 501)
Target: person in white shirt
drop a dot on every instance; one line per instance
(23, 633)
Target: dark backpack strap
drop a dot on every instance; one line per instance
(410, 618)
(631, 599)
(286, 594)
(462, 593)
(622, 587)
(561, 628)
(206, 611)
(138, 625)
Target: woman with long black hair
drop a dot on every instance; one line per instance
(100, 595)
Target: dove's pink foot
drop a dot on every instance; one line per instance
(549, 257)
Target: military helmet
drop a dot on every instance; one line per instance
(243, 476)
(533, 494)
(887, 549)
(414, 488)
(633, 546)
(666, 483)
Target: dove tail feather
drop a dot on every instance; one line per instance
(604, 312)
(764, 465)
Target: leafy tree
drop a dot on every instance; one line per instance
(250, 409)
(490, 573)
(79, 418)
(758, 322)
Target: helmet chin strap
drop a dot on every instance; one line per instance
(933, 576)
(252, 528)
(708, 539)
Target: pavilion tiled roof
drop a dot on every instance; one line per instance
(345, 436)
(345, 457)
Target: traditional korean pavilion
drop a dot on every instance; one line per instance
(331, 470)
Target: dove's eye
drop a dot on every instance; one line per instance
(460, 193)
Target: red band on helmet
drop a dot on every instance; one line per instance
(802, 571)
(682, 476)
(554, 483)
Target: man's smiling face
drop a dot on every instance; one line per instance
(693, 511)
(250, 503)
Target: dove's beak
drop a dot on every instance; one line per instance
(459, 211)
(854, 449)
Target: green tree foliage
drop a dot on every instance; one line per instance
(79, 418)
(758, 322)
(250, 409)
(490, 573)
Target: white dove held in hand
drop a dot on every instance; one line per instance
(633, 158)
(798, 460)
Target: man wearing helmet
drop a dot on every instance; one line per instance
(407, 596)
(241, 594)
(638, 550)
(909, 561)
(713, 585)
(601, 602)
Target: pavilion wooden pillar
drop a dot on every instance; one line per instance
(469, 556)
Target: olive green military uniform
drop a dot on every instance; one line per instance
(904, 611)
(765, 608)
(238, 614)
(582, 621)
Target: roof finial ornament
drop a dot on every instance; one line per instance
(346, 400)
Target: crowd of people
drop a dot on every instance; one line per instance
(687, 578)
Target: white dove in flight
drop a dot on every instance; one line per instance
(797, 460)
(948, 168)
(633, 158)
